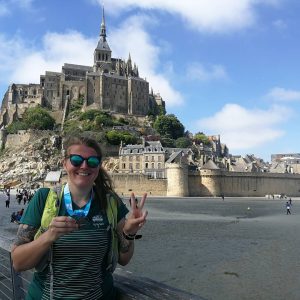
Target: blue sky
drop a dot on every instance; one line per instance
(228, 67)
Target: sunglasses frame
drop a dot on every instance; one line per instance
(84, 159)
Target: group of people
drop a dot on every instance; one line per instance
(75, 235)
(24, 195)
(16, 216)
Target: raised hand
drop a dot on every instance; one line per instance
(137, 217)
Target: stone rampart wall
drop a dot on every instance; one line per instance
(211, 183)
(139, 184)
(248, 184)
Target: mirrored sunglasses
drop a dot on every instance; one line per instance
(77, 160)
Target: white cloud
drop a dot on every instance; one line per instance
(21, 63)
(199, 72)
(242, 128)
(131, 37)
(202, 15)
(284, 95)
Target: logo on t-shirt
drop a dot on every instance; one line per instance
(98, 220)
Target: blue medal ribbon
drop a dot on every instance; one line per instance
(79, 213)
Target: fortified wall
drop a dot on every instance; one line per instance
(209, 183)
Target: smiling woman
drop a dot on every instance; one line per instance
(77, 236)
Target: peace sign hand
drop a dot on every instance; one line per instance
(137, 217)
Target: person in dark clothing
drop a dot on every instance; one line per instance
(288, 208)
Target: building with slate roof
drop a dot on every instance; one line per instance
(111, 84)
(150, 158)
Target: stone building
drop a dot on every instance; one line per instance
(111, 84)
(150, 158)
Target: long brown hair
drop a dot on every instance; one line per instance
(103, 182)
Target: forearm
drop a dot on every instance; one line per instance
(126, 250)
(27, 256)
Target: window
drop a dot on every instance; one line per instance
(146, 165)
(152, 158)
(124, 166)
(137, 165)
(159, 158)
(159, 166)
(130, 158)
(146, 158)
(152, 165)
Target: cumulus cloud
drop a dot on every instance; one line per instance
(22, 63)
(202, 15)
(284, 95)
(200, 72)
(243, 128)
(146, 55)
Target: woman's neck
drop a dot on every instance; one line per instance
(80, 196)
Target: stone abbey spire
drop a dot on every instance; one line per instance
(102, 53)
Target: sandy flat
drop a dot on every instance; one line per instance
(240, 248)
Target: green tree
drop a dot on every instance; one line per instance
(183, 142)
(89, 115)
(169, 126)
(115, 137)
(167, 142)
(38, 118)
(200, 137)
(15, 126)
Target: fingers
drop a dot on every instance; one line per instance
(134, 202)
(62, 225)
(141, 205)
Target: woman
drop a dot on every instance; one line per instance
(79, 237)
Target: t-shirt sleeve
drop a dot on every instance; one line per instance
(122, 210)
(35, 209)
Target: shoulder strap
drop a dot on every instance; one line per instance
(51, 209)
(112, 216)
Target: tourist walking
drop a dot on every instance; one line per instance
(87, 237)
(7, 201)
(288, 208)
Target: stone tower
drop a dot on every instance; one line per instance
(177, 175)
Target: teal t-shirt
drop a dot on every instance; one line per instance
(79, 258)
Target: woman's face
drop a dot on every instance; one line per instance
(82, 176)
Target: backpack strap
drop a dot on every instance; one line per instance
(112, 216)
(51, 209)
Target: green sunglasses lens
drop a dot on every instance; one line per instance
(93, 162)
(76, 160)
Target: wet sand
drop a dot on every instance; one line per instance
(221, 249)
(216, 249)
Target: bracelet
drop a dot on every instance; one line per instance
(131, 237)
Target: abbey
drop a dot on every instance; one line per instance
(111, 84)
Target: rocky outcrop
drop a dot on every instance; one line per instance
(27, 165)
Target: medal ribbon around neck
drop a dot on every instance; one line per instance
(79, 213)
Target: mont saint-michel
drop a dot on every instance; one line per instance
(111, 84)
(159, 159)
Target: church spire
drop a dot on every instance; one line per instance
(103, 27)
